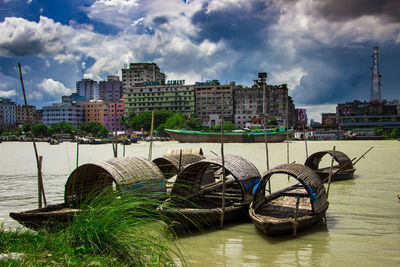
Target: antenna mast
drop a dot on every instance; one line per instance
(375, 94)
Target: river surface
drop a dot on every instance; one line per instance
(363, 219)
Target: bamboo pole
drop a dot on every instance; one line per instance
(305, 139)
(287, 130)
(265, 108)
(295, 223)
(223, 161)
(38, 163)
(330, 172)
(180, 161)
(77, 151)
(151, 136)
(116, 131)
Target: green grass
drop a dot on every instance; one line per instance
(111, 231)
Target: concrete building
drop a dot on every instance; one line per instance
(8, 111)
(58, 112)
(366, 116)
(94, 111)
(88, 88)
(113, 118)
(140, 74)
(248, 106)
(209, 102)
(22, 115)
(111, 90)
(73, 98)
(170, 97)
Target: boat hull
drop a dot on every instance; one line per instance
(272, 227)
(185, 219)
(193, 137)
(338, 176)
(50, 217)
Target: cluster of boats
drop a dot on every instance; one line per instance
(202, 192)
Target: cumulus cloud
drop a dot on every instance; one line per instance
(54, 88)
(8, 93)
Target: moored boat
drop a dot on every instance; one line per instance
(127, 175)
(196, 197)
(255, 136)
(342, 170)
(291, 209)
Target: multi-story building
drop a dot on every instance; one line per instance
(58, 112)
(88, 88)
(111, 90)
(209, 97)
(366, 116)
(113, 119)
(73, 98)
(248, 106)
(171, 97)
(8, 111)
(94, 111)
(140, 74)
(22, 115)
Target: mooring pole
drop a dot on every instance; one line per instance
(223, 161)
(330, 172)
(305, 139)
(38, 161)
(287, 129)
(151, 136)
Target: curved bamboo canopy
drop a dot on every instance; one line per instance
(125, 174)
(307, 178)
(174, 163)
(341, 158)
(191, 179)
(184, 151)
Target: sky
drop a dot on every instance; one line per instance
(321, 48)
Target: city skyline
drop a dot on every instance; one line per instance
(321, 49)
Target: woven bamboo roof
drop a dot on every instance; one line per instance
(93, 178)
(184, 151)
(170, 165)
(341, 158)
(190, 179)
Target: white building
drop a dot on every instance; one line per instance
(8, 111)
(59, 112)
(88, 88)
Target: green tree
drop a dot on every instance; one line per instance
(133, 121)
(273, 122)
(62, 127)
(195, 122)
(379, 131)
(395, 133)
(40, 130)
(93, 129)
(176, 121)
(228, 126)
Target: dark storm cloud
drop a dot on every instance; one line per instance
(341, 10)
(160, 20)
(242, 26)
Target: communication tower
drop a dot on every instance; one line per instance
(375, 94)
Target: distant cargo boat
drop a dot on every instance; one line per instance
(255, 136)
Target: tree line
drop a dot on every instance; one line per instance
(162, 120)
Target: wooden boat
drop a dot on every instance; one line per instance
(174, 161)
(256, 136)
(291, 209)
(196, 197)
(342, 170)
(127, 175)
